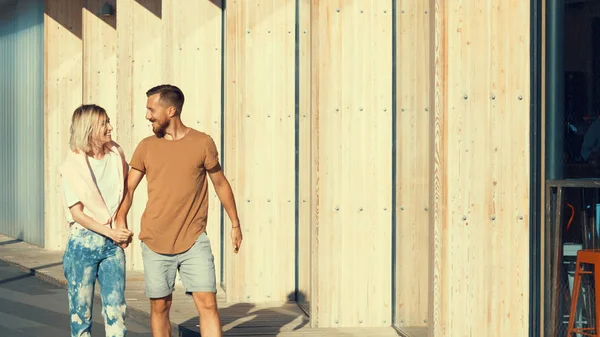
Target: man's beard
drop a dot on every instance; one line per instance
(159, 130)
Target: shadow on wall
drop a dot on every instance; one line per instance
(105, 10)
(68, 12)
(154, 6)
(249, 319)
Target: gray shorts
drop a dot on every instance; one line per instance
(196, 268)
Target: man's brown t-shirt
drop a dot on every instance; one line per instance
(177, 206)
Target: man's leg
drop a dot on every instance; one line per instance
(159, 316)
(159, 275)
(197, 271)
(210, 322)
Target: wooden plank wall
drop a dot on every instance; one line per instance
(102, 61)
(352, 163)
(63, 92)
(413, 108)
(260, 146)
(479, 192)
(481, 168)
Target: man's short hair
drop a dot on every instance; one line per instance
(170, 95)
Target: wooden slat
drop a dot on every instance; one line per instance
(193, 63)
(122, 122)
(142, 68)
(352, 144)
(437, 197)
(304, 156)
(260, 147)
(100, 58)
(63, 94)
(481, 169)
(413, 162)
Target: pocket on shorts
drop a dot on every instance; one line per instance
(203, 242)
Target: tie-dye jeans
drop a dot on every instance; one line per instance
(89, 256)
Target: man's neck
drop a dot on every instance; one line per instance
(176, 130)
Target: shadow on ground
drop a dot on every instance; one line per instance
(247, 319)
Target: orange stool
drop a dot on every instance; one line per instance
(588, 256)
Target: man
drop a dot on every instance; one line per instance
(176, 161)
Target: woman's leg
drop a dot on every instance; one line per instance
(111, 277)
(80, 268)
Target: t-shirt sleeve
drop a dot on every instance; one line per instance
(138, 159)
(70, 196)
(211, 159)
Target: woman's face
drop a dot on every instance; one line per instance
(103, 134)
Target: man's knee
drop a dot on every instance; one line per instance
(161, 306)
(205, 301)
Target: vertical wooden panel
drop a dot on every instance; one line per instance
(481, 168)
(63, 93)
(140, 68)
(181, 46)
(260, 141)
(352, 102)
(413, 162)
(193, 63)
(122, 122)
(99, 57)
(304, 156)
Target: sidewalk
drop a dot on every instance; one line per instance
(239, 319)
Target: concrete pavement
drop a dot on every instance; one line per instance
(238, 319)
(34, 308)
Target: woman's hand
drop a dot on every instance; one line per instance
(120, 235)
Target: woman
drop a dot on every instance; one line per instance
(93, 179)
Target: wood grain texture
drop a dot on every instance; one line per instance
(63, 94)
(304, 156)
(351, 112)
(481, 169)
(193, 63)
(413, 162)
(99, 39)
(260, 146)
(115, 69)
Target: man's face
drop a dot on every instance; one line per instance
(157, 114)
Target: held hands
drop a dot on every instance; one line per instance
(236, 237)
(121, 236)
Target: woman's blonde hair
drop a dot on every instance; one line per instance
(85, 123)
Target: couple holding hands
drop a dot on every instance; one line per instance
(98, 187)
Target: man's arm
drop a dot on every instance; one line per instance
(225, 194)
(133, 180)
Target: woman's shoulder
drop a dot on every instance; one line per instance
(71, 159)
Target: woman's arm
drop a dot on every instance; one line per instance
(117, 235)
